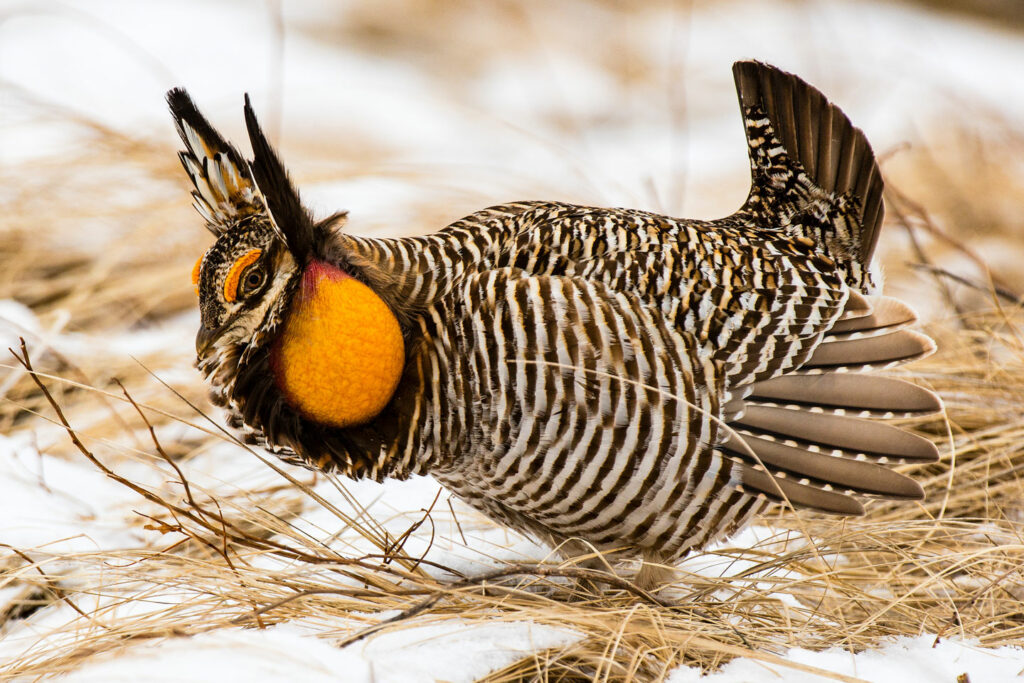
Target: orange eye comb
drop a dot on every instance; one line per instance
(231, 282)
(195, 273)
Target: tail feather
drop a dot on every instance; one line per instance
(884, 315)
(813, 435)
(871, 352)
(855, 395)
(818, 145)
(825, 432)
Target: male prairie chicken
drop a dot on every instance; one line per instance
(598, 378)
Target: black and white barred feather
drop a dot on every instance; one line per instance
(634, 381)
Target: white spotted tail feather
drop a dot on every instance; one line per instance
(805, 437)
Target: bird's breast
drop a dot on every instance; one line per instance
(340, 353)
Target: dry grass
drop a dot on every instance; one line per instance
(105, 273)
(949, 566)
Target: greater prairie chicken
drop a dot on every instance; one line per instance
(598, 378)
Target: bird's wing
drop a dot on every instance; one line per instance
(803, 435)
(572, 398)
(758, 309)
(576, 401)
(794, 342)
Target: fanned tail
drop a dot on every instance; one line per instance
(814, 437)
(810, 166)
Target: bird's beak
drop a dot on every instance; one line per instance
(204, 338)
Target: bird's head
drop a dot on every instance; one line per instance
(239, 280)
(276, 291)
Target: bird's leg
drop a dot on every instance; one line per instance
(582, 555)
(654, 573)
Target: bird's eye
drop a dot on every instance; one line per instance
(253, 280)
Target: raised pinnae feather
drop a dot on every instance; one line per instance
(217, 176)
(203, 187)
(292, 221)
(211, 162)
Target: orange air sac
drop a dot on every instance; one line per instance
(340, 353)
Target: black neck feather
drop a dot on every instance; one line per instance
(367, 450)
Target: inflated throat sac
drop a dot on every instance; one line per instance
(340, 353)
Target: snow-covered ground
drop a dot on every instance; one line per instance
(550, 120)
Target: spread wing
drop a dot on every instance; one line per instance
(794, 342)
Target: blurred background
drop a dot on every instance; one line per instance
(411, 114)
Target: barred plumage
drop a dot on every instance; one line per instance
(594, 377)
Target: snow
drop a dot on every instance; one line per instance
(452, 650)
(915, 659)
(547, 121)
(58, 506)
